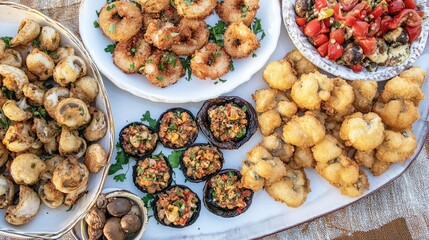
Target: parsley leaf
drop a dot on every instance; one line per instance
(148, 200)
(174, 158)
(36, 42)
(4, 121)
(9, 94)
(231, 66)
(120, 177)
(6, 40)
(222, 80)
(110, 6)
(110, 48)
(121, 158)
(96, 25)
(70, 208)
(217, 32)
(146, 118)
(257, 28)
(40, 113)
(114, 168)
(254, 55)
(186, 62)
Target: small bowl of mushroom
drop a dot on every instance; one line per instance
(116, 215)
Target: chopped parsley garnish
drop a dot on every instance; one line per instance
(217, 32)
(9, 94)
(120, 177)
(110, 48)
(231, 66)
(222, 80)
(186, 63)
(40, 113)
(132, 66)
(168, 58)
(6, 40)
(97, 12)
(159, 78)
(110, 6)
(112, 28)
(133, 51)
(241, 133)
(336, 24)
(254, 55)
(257, 28)
(189, 2)
(244, 11)
(96, 25)
(4, 121)
(36, 42)
(147, 118)
(244, 108)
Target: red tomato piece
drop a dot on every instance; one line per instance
(368, 45)
(413, 32)
(411, 4)
(348, 5)
(348, 20)
(324, 28)
(335, 51)
(356, 68)
(323, 49)
(374, 27)
(327, 22)
(312, 28)
(320, 39)
(379, 10)
(360, 29)
(408, 16)
(337, 35)
(300, 21)
(384, 26)
(320, 4)
(360, 10)
(396, 6)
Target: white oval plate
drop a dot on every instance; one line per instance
(53, 223)
(183, 91)
(383, 73)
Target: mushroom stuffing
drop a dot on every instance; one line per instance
(49, 125)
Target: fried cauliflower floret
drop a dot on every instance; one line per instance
(250, 179)
(292, 189)
(416, 74)
(404, 89)
(342, 97)
(327, 149)
(379, 167)
(269, 121)
(365, 94)
(302, 158)
(275, 145)
(311, 90)
(304, 131)
(265, 99)
(397, 146)
(363, 132)
(341, 171)
(279, 75)
(300, 63)
(356, 188)
(370, 161)
(287, 108)
(397, 114)
(265, 165)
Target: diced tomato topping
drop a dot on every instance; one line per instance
(348, 20)
(379, 10)
(312, 28)
(408, 16)
(360, 29)
(411, 4)
(320, 39)
(368, 45)
(347, 5)
(396, 6)
(356, 68)
(335, 51)
(324, 28)
(327, 22)
(338, 35)
(300, 21)
(413, 32)
(360, 10)
(374, 27)
(320, 4)
(323, 49)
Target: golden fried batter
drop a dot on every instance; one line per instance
(275, 145)
(365, 94)
(300, 63)
(370, 161)
(270, 99)
(279, 75)
(303, 131)
(342, 97)
(397, 146)
(341, 171)
(327, 149)
(269, 121)
(250, 179)
(311, 90)
(356, 188)
(404, 89)
(397, 114)
(415, 74)
(265, 165)
(302, 158)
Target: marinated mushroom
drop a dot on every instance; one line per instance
(70, 175)
(27, 207)
(118, 207)
(34, 92)
(14, 78)
(74, 196)
(28, 30)
(51, 164)
(85, 89)
(7, 191)
(72, 112)
(69, 69)
(49, 195)
(2, 47)
(135, 210)
(26, 168)
(49, 39)
(95, 158)
(19, 137)
(46, 131)
(97, 128)
(101, 201)
(12, 58)
(131, 223)
(15, 111)
(52, 97)
(62, 53)
(4, 154)
(112, 230)
(94, 234)
(70, 144)
(40, 64)
(353, 54)
(96, 218)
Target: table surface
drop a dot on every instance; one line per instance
(400, 210)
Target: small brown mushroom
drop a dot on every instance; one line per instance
(101, 201)
(94, 234)
(131, 223)
(135, 210)
(118, 207)
(112, 230)
(97, 128)
(96, 218)
(95, 158)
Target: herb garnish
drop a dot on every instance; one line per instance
(6, 40)
(186, 63)
(96, 25)
(110, 48)
(146, 118)
(217, 32)
(174, 158)
(110, 6)
(257, 28)
(121, 159)
(148, 200)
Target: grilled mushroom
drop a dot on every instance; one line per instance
(96, 218)
(70, 175)
(72, 112)
(97, 128)
(27, 207)
(12, 58)
(112, 230)
(28, 30)
(4, 154)
(34, 92)
(69, 70)
(49, 195)
(40, 64)
(70, 144)
(52, 97)
(46, 131)
(7, 191)
(74, 196)
(14, 78)
(51, 164)
(95, 158)
(19, 137)
(118, 207)
(15, 111)
(26, 168)
(86, 89)
(61, 53)
(49, 39)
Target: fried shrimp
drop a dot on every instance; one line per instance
(301, 64)
(154, 6)
(365, 93)
(303, 132)
(211, 61)
(397, 114)
(311, 89)
(163, 68)
(239, 40)
(120, 21)
(292, 189)
(403, 88)
(280, 75)
(363, 132)
(342, 97)
(161, 34)
(193, 36)
(238, 10)
(131, 55)
(397, 146)
(195, 9)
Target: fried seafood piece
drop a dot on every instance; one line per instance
(154, 6)
(416, 74)
(362, 131)
(195, 9)
(280, 75)
(238, 10)
(161, 34)
(277, 147)
(304, 131)
(302, 158)
(365, 94)
(249, 178)
(403, 89)
(269, 121)
(211, 61)
(342, 97)
(120, 20)
(370, 161)
(397, 146)
(311, 90)
(397, 114)
(272, 99)
(327, 149)
(163, 68)
(358, 187)
(193, 36)
(168, 14)
(131, 55)
(239, 40)
(301, 64)
(292, 189)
